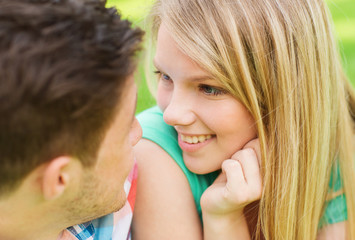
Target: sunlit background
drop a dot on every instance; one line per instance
(343, 12)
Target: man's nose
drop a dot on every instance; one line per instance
(136, 132)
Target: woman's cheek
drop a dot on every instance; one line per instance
(163, 97)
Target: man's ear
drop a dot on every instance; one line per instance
(56, 177)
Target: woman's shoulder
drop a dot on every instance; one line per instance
(162, 192)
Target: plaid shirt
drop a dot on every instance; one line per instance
(115, 226)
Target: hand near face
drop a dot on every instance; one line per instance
(239, 184)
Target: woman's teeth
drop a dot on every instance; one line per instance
(195, 139)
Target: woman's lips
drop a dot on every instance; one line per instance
(193, 143)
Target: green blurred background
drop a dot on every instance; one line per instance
(343, 12)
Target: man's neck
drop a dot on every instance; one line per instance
(23, 223)
(16, 233)
(17, 230)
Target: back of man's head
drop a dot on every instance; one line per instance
(62, 65)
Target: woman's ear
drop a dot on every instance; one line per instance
(56, 177)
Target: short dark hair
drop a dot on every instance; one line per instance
(63, 64)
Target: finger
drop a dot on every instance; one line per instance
(255, 145)
(234, 174)
(251, 169)
(249, 163)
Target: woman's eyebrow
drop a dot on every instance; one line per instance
(156, 64)
(196, 78)
(200, 78)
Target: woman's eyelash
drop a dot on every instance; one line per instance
(209, 90)
(206, 89)
(162, 75)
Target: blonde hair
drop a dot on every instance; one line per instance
(279, 58)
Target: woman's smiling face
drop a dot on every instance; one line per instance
(212, 125)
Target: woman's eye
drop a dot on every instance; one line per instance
(162, 75)
(165, 77)
(209, 90)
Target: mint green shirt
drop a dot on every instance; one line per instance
(336, 208)
(157, 131)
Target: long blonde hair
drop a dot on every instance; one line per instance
(279, 58)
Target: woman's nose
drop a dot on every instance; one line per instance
(179, 111)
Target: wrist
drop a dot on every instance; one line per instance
(221, 221)
(225, 226)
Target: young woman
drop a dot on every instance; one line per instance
(251, 91)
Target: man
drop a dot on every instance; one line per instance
(67, 125)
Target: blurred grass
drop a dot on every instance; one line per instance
(343, 13)
(136, 11)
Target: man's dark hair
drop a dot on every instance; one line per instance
(63, 64)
